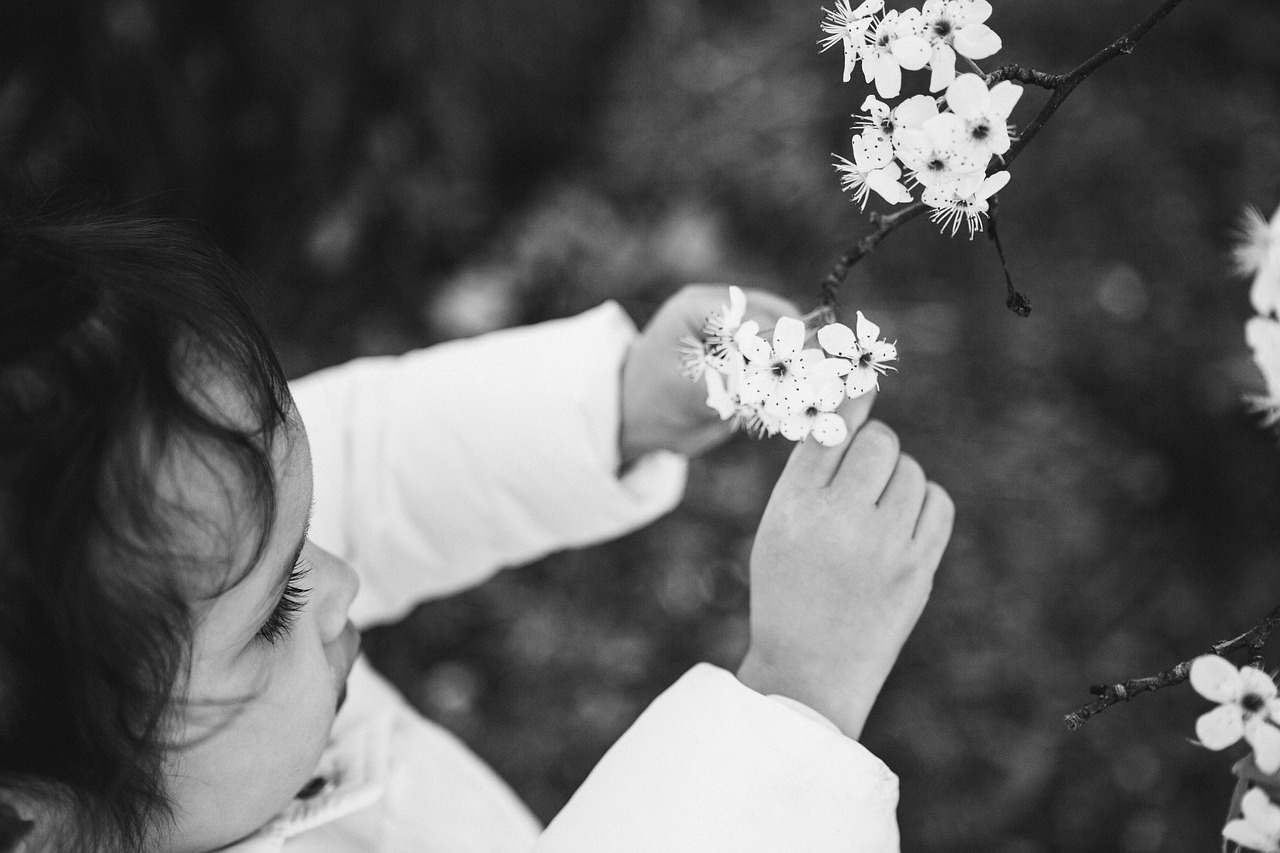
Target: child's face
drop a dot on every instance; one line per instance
(257, 713)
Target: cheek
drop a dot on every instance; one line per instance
(238, 775)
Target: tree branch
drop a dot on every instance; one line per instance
(1252, 641)
(1061, 86)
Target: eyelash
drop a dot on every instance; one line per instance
(281, 620)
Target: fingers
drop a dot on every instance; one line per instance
(870, 461)
(903, 497)
(937, 517)
(811, 465)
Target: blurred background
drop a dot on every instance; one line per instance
(400, 173)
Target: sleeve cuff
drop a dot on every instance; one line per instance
(714, 766)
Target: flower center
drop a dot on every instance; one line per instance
(1253, 703)
(865, 360)
(937, 164)
(980, 131)
(812, 411)
(779, 368)
(942, 28)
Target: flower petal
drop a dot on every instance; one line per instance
(1215, 678)
(788, 337)
(973, 12)
(1244, 834)
(828, 394)
(861, 380)
(882, 351)
(885, 184)
(868, 331)
(795, 427)
(736, 308)
(888, 77)
(1004, 95)
(754, 348)
(718, 396)
(839, 339)
(1261, 814)
(829, 429)
(915, 111)
(757, 386)
(911, 52)
(1253, 680)
(968, 96)
(1265, 740)
(977, 41)
(993, 184)
(942, 67)
(871, 152)
(1221, 727)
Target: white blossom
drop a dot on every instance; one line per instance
(777, 375)
(1262, 334)
(1258, 827)
(885, 122)
(951, 27)
(816, 415)
(964, 201)
(891, 46)
(848, 27)
(1258, 254)
(866, 353)
(698, 355)
(935, 155)
(984, 112)
(1247, 708)
(872, 168)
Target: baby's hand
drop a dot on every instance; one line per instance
(661, 409)
(842, 567)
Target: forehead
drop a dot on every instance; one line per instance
(217, 500)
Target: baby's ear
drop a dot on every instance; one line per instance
(13, 828)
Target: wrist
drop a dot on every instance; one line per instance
(846, 706)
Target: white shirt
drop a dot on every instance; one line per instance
(436, 469)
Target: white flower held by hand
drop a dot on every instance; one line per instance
(1259, 826)
(817, 417)
(1247, 708)
(867, 353)
(777, 375)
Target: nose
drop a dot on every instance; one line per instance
(336, 584)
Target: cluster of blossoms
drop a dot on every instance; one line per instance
(947, 152)
(780, 385)
(1258, 255)
(1248, 708)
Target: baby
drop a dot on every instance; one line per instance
(188, 544)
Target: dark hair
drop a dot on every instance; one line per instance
(103, 320)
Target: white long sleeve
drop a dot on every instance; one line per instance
(435, 469)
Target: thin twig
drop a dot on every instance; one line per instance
(1061, 86)
(1252, 641)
